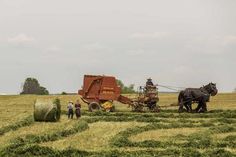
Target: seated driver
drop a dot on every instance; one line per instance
(149, 82)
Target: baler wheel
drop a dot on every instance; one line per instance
(94, 106)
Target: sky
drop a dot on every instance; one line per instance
(186, 43)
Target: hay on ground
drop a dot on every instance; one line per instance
(47, 110)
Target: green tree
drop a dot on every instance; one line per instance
(63, 93)
(43, 91)
(32, 86)
(125, 89)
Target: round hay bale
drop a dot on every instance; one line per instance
(47, 110)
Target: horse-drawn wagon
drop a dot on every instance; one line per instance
(99, 92)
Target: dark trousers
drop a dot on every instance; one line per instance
(70, 113)
(77, 112)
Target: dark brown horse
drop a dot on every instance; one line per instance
(198, 95)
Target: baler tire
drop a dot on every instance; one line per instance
(94, 106)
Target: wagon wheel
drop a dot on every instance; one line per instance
(138, 107)
(156, 109)
(94, 106)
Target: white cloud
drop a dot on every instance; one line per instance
(212, 45)
(21, 39)
(53, 49)
(229, 40)
(183, 69)
(153, 35)
(137, 52)
(94, 47)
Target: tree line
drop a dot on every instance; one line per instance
(126, 89)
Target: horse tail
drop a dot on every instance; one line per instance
(180, 101)
(180, 97)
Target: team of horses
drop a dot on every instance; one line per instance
(196, 95)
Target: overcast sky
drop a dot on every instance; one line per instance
(176, 42)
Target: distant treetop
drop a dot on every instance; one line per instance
(32, 86)
(126, 89)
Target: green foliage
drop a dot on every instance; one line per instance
(223, 120)
(190, 152)
(222, 129)
(199, 140)
(43, 91)
(32, 86)
(219, 153)
(126, 89)
(63, 93)
(229, 141)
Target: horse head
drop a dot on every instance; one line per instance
(211, 88)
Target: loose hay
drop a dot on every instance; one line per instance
(47, 110)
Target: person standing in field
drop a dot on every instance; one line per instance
(77, 109)
(70, 110)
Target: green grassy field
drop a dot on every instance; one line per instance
(122, 133)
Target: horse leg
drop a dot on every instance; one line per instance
(187, 106)
(180, 102)
(199, 106)
(190, 107)
(204, 106)
(181, 107)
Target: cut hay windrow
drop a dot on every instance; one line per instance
(47, 110)
(22, 123)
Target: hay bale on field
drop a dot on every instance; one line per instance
(47, 110)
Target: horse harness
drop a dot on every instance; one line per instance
(194, 100)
